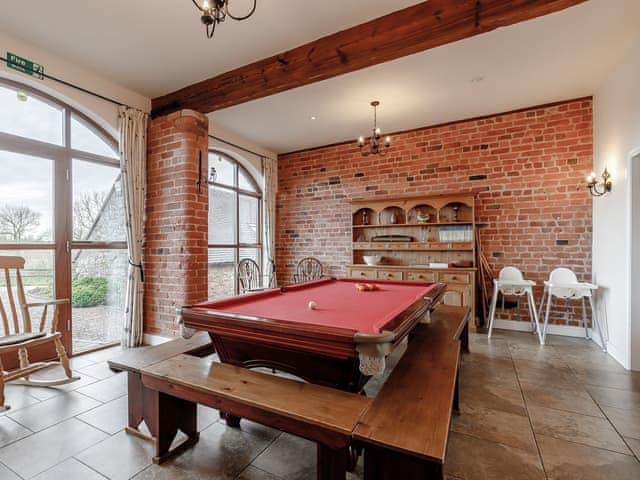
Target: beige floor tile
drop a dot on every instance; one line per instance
(575, 400)
(49, 412)
(206, 417)
(45, 393)
(627, 422)
(546, 375)
(500, 427)
(252, 473)
(470, 458)
(10, 431)
(221, 453)
(49, 447)
(110, 417)
(491, 396)
(573, 427)
(70, 469)
(289, 457)
(571, 461)
(79, 361)
(634, 445)
(133, 455)
(603, 378)
(6, 474)
(17, 397)
(108, 389)
(98, 370)
(102, 355)
(613, 397)
(496, 372)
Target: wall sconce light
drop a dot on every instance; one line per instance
(598, 189)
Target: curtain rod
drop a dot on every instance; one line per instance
(84, 90)
(240, 147)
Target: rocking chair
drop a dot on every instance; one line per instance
(21, 337)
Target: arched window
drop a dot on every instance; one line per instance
(235, 222)
(61, 208)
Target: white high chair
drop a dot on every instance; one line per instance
(564, 284)
(511, 282)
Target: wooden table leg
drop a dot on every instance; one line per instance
(331, 462)
(166, 415)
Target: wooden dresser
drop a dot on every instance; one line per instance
(412, 235)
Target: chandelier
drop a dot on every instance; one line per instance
(213, 12)
(375, 145)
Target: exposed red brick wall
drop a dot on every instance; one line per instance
(535, 162)
(175, 251)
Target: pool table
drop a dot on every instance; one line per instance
(341, 340)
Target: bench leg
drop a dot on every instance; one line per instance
(136, 404)
(384, 464)
(166, 416)
(332, 462)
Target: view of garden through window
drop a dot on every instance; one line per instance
(31, 224)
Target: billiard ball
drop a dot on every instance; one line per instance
(312, 305)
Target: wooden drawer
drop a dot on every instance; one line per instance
(462, 277)
(362, 273)
(422, 276)
(458, 295)
(389, 275)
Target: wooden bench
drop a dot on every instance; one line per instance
(324, 415)
(133, 360)
(404, 433)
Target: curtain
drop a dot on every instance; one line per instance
(133, 148)
(270, 176)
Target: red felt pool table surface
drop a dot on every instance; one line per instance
(339, 303)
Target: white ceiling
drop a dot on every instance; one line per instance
(155, 47)
(557, 57)
(158, 46)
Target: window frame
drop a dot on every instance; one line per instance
(62, 157)
(236, 246)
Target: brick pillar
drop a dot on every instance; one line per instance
(176, 227)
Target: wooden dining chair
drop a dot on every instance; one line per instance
(307, 270)
(20, 334)
(249, 276)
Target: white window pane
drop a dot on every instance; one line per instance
(222, 264)
(248, 219)
(222, 216)
(245, 182)
(26, 198)
(225, 170)
(27, 116)
(86, 140)
(98, 211)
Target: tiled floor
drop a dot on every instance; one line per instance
(563, 411)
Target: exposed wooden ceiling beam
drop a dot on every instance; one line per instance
(411, 30)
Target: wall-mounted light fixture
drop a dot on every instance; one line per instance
(598, 189)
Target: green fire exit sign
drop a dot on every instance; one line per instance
(25, 66)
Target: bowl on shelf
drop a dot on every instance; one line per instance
(372, 259)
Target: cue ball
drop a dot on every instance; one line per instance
(312, 305)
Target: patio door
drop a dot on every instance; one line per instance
(61, 209)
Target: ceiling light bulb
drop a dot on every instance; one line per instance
(205, 5)
(361, 141)
(313, 117)
(387, 141)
